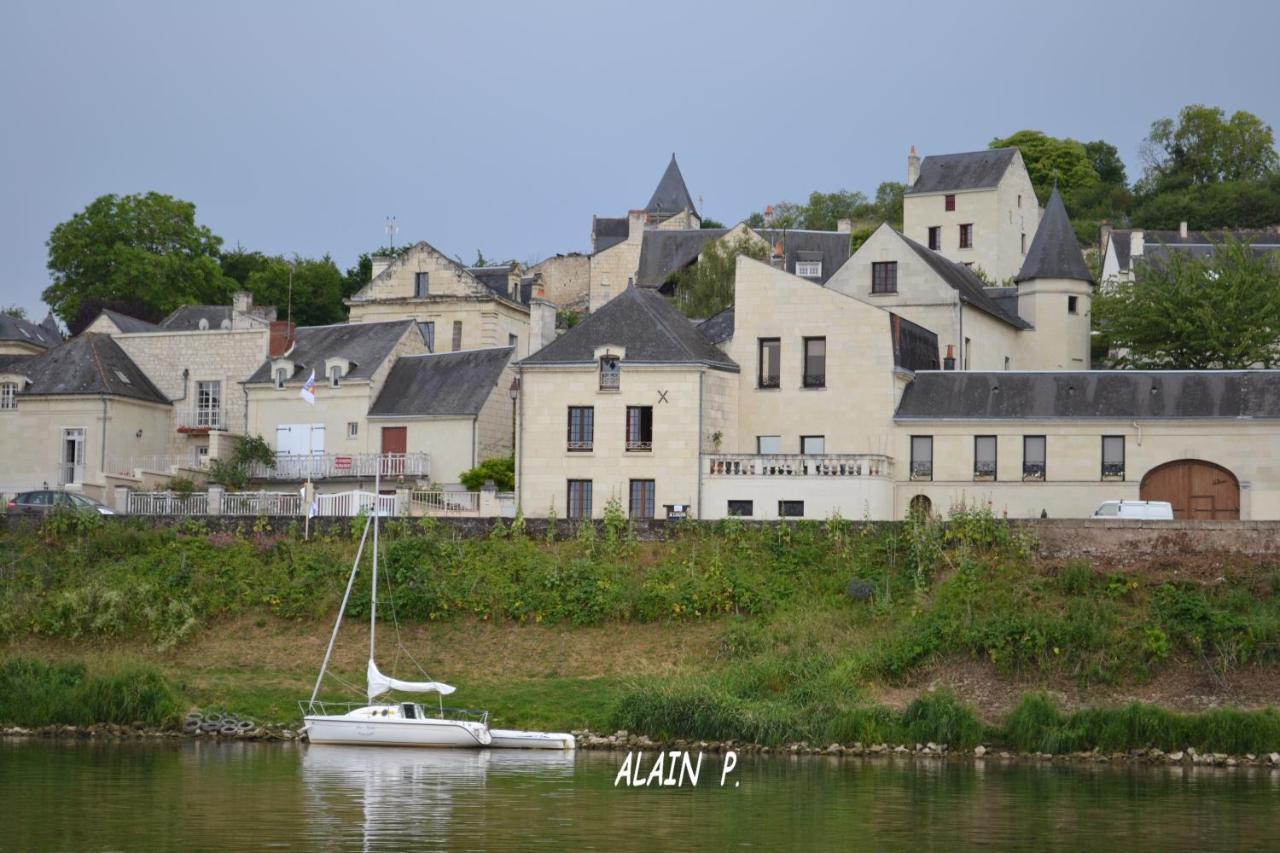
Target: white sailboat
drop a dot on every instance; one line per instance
(405, 723)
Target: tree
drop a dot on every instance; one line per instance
(706, 287)
(825, 210)
(1231, 204)
(888, 204)
(1205, 147)
(1188, 313)
(1050, 160)
(145, 249)
(15, 311)
(316, 290)
(500, 469)
(711, 223)
(239, 263)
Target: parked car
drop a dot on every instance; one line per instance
(1150, 510)
(47, 500)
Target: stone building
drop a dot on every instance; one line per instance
(22, 337)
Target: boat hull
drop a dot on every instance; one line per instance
(515, 739)
(364, 731)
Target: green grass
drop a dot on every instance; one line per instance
(34, 693)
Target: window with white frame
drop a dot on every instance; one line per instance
(335, 376)
(282, 376)
(353, 429)
(809, 269)
(8, 395)
(209, 404)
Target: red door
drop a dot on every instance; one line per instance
(395, 443)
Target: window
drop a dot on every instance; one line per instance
(610, 373)
(741, 509)
(1113, 457)
(935, 237)
(966, 236)
(1033, 447)
(202, 455)
(984, 457)
(809, 269)
(967, 341)
(1019, 200)
(282, 376)
(884, 277)
(1024, 244)
(353, 429)
(72, 468)
(457, 335)
(582, 427)
(335, 376)
(790, 509)
(421, 284)
(642, 492)
(1071, 304)
(770, 363)
(427, 329)
(579, 499)
(813, 445)
(815, 362)
(639, 428)
(8, 395)
(209, 404)
(513, 340)
(1107, 509)
(766, 444)
(951, 202)
(922, 457)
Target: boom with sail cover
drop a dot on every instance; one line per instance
(379, 684)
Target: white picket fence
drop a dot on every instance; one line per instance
(232, 503)
(441, 502)
(261, 503)
(168, 503)
(354, 502)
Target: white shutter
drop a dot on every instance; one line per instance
(317, 438)
(284, 439)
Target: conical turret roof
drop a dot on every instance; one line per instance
(1055, 252)
(671, 196)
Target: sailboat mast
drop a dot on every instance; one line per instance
(373, 606)
(346, 596)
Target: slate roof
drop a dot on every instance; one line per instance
(968, 285)
(830, 247)
(969, 171)
(718, 328)
(608, 231)
(1005, 297)
(24, 331)
(496, 278)
(188, 317)
(366, 345)
(1055, 251)
(450, 383)
(671, 195)
(128, 324)
(1099, 394)
(649, 327)
(89, 364)
(663, 252)
(1200, 244)
(14, 363)
(914, 346)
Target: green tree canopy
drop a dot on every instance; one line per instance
(823, 211)
(1191, 313)
(317, 289)
(706, 287)
(1051, 160)
(240, 263)
(145, 250)
(1203, 146)
(16, 311)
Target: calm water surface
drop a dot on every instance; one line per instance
(204, 796)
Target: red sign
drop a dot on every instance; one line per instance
(342, 463)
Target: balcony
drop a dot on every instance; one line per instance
(333, 466)
(202, 419)
(864, 465)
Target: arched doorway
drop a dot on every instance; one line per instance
(1197, 489)
(920, 507)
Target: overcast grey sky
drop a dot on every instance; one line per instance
(298, 127)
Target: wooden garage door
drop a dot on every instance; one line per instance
(1196, 489)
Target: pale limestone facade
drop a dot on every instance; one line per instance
(1004, 220)
(566, 280)
(615, 267)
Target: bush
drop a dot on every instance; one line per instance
(35, 693)
(942, 719)
(500, 469)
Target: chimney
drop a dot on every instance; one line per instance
(636, 221)
(913, 167)
(281, 338)
(1137, 243)
(845, 226)
(1104, 234)
(949, 362)
(242, 302)
(380, 263)
(779, 258)
(1182, 229)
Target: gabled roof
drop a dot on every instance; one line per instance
(972, 170)
(829, 247)
(365, 345)
(127, 324)
(608, 231)
(89, 364)
(481, 288)
(718, 328)
(1099, 394)
(497, 278)
(966, 284)
(663, 252)
(671, 196)
(26, 332)
(188, 318)
(449, 383)
(649, 327)
(1055, 251)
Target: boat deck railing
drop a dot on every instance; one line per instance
(438, 712)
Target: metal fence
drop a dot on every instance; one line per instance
(168, 503)
(444, 503)
(354, 502)
(261, 503)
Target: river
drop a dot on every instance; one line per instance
(197, 795)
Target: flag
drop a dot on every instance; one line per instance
(314, 509)
(308, 392)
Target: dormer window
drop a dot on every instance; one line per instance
(335, 369)
(282, 376)
(809, 269)
(610, 373)
(335, 376)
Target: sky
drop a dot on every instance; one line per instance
(502, 127)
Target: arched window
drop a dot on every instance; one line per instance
(920, 507)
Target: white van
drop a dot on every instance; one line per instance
(1151, 510)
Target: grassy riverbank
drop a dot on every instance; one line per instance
(822, 632)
